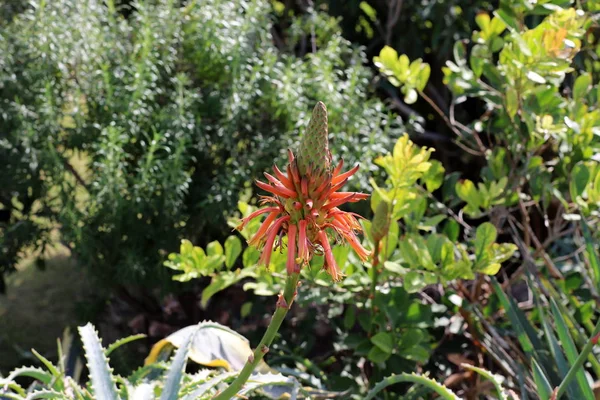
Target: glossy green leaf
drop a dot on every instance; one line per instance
(233, 248)
(580, 176)
(384, 341)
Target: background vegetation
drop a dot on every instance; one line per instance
(131, 126)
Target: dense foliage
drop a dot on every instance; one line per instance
(128, 126)
(482, 276)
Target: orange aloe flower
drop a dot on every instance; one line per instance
(304, 204)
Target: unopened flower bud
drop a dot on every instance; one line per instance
(381, 221)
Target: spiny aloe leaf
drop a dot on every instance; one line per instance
(7, 384)
(123, 341)
(12, 396)
(208, 385)
(31, 372)
(489, 376)
(437, 387)
(51, 367)
(144, 391)
(46, 394)
(100, 373)
(147, 373)
(171, 388)
(197, 379)
(268, 382)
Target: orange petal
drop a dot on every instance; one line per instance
(291, 259)
(362, 253)
(345, 175)
(265, 257)
(338, 202)
(338, 168)
(254, 215)
(263, 228)
(331, 265)
(356, 196)
(304, 186)
(279, 190)
(302, 243)
(283, 178)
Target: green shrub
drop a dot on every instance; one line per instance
(126, 128)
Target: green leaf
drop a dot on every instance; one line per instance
(411, 96)
(246, 309)
(512, 101)
(349, 317)
(490, 269)
(555, 350)
(535, 77)
(410, 338)
(123, 341)
(214, 249)
(441, 390)
(495, 379)
(387, 60)
(434, 177)
(176, 369)
(394, 267)
(45, 394)
(423, 77)
(478, 59)
(485, 236)
(102, 380)
(384, 340)
(222, 281)
(51, 368)
(497, 26)
(31, 372)
(516, 320)
(590, 252)
(570, 350)
(544, 390)
(206, 386)
(377, 355)
(368, 10)
(250, 257)
(467, 192)
(482, 20)
(582, 86)
(414, 281)
(451, 229)
(233, 248)
(580, 176)
(274, 386)
(460, 53)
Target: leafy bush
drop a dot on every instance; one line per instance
(418, 293)
(538, 145)
(127, 127)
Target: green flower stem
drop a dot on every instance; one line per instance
(579, 361)
(375, 277)
(289, 294)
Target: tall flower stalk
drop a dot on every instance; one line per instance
(303, 215)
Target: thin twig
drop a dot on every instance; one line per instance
(453, 128)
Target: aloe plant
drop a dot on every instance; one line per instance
(206, 343)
